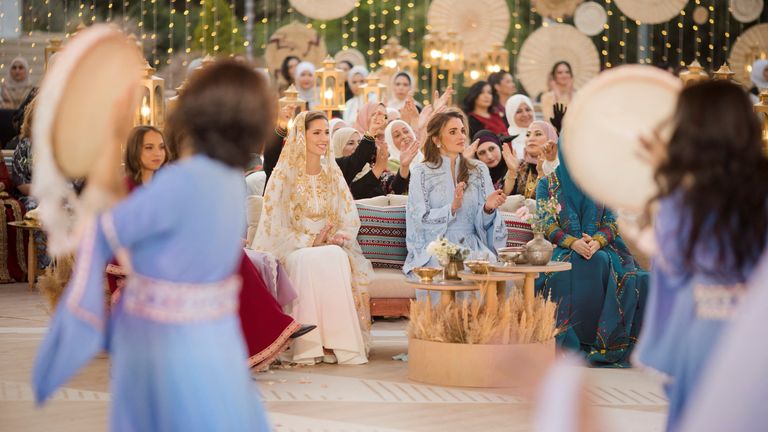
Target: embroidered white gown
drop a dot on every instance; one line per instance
(323, 278)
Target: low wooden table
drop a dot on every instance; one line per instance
(492, 285)
(531, 272)
(31, 248)
(447, 288)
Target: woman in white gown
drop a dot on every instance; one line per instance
(310, 222)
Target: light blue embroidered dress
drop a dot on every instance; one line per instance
(174, 336)
(428, 214)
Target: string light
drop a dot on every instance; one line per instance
(711, 42)
(109, 11)
(216, 27)
(680, 35)
(141, 23)
(125, 13)
(651, 57)
(371, 34)
(171, 25)
(382, 32)
(233, 17)
(665, 41)
(204, 34)
(727, 44)
(344, 34)
(48, 14)
(187, 32)
(623, 41)
(265, 24)
(93, 11)
(398, 17)
(516, 26)
(155, 58)
(606, 36)
(410, 29)
(697, 37)
(355, 24)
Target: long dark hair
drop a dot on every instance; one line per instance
(715, 159)
(495, 79)
(474, 92)
(561, 62)
(284, 68)
(432, 152)
(133, 149)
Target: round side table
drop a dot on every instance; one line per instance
(447, 288)
(492, 285)
(531, 272)
(31, 249)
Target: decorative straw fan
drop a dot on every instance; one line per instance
(555, 8)
(590, 18)
(553, 43)
(480, 23)
(746, 11)
(351, 55)
(750, 46)
(297, 40)
(651, 11)
(323, 10)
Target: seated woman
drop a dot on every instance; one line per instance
(17, 84)
(488, 149)
(399, 137)
(310, 223)
(304, 76)
(402, 89)
(355, 80)
(375, 179)
(452, 197)
(520, 113)
(480, 107)
(600, 301)
(539, 159)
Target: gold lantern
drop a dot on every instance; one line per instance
(406, 62)
(291, 97)
(329, 87)
(390, 55)
(497, 59)
(474, 69)
(433, 53)
(761, 108)
(453, 55)
(724, 73)
(54, 46)
(694, 74)
(372, 90)
(151, 110)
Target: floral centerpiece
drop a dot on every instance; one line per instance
(450, 255)
(539, 251)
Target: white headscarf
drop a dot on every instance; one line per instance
(757, 74)
(394, 152)
(393, 114)
(14, 92)
(513, 103)
(340, 138)
(307, 95)
(332, 124)
(357, 70)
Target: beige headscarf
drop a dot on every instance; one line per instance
(340, 138)
(14, 92)
(281, 227)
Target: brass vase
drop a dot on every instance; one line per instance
(451, 269)
(538, 251)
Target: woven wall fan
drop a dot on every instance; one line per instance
(746, 11)
(553, 43)
(590, 18)
(351, 55)
(556, 8)
(751, 45)
(480, 23)
(294, 39)
(651, 11)
(325, 9)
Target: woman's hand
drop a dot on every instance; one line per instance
(469, 152)
(458, 197)
(285, 115)
(321, 239)
(409, 113)
(510, 157)
(441, 102)
(377, 122)
(494, 200)
(338, 239)
(550, 151)
(593, 244)
(653, 150)
(408, 154)
(581, 247)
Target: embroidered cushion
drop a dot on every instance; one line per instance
(518, 232)
(382, 235)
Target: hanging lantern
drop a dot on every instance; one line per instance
(497, 59)
(291, 97)
(151, 110)
(694, 74)
(329, 85)
(433, 50)
(453, 55)
(474, 69)
(372, 90)
(761, 108)
(406, 62)
(54, 46)
(724, 73)
(391, 52)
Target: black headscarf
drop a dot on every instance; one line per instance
(499, 171)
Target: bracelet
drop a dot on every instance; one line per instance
(281, 132)
(485, 209)
(369, 137)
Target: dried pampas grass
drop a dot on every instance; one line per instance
(472, 322)
(55, 278)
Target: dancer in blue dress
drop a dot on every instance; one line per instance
(174, 336)
(711, 230)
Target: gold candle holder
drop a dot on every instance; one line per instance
(724, 73)
(694, 74)
(291, 97)
(329, 85)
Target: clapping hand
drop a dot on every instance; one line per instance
(378, 121)
(458, 197)
(285, 115)
(441, 102)
(406, 155)
(471, 150)
(559, 112)
(510, 157)
(550, 151)
(409, 113)
(494, 200)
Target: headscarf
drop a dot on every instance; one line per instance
(549, 131)
(364, 116)
(281, 229)
(14, 92)
(307, 95)
(357, 70)
(394, 152)
(513, 103)
(499, 171)
(392, 114)
(332, 123)
(757, 74)
(340, 138)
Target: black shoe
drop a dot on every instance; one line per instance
(304, 329)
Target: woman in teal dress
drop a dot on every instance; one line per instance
(600, 301)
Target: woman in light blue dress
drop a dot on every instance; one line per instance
(711, 230)
(452, 197)
(174, 336)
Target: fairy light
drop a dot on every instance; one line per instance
(233, 19)
(344, 33)
(216, 27)
(410, 28)
(355, 24)
(109, 11)
(265, 26)
(398, 17)
(680, 36)
(48, 14)
(155, 58)
(516, 26)
(623, 41)
(711, 42)
(727, 44)
(248, 17)
(125, 13)
(141, 22)
(93, 11)
(665, 41)
(204, 34)
(371, 34)
(697, 37)
(606, 36)
(171, 26)
(382, 33)
(187, 32)
(651, 58)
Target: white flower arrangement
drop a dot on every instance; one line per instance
(544, 210)
(447, 251)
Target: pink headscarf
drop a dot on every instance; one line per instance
(364, 116)
(549, 131)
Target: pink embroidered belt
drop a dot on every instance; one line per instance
(176, 302)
